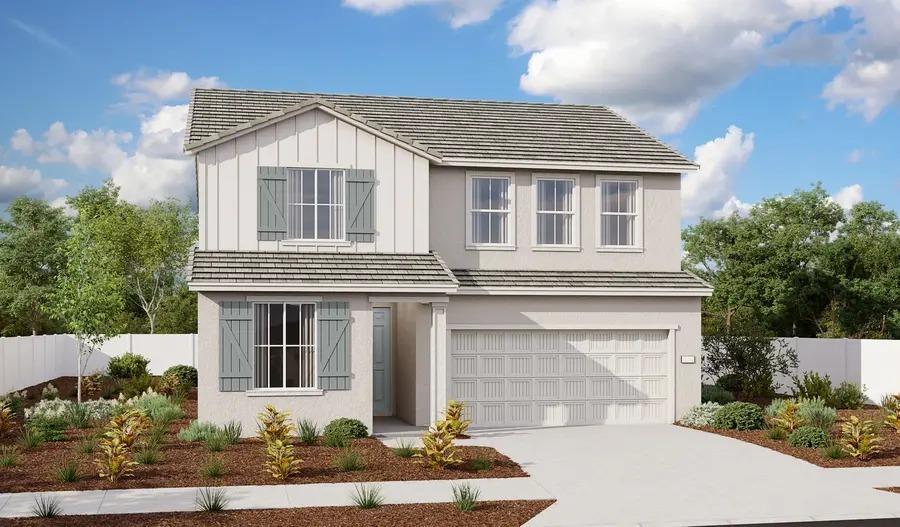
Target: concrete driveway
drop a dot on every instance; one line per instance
(668, 475)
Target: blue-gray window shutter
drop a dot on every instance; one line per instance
(360, 205)
(235, 346)
(271, 192)
(334, 345)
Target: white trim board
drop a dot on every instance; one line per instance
(317, 288)
(566, 327)
(555, 165)
(576, 291)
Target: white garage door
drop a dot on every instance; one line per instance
(555, 378)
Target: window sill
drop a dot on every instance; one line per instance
(284, 392)
(613, 249)
(317, 243)
(557, 248)
(490, 247)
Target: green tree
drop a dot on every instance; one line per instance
(31, 256)
(89, 292)
(156, 242)
(179, 311)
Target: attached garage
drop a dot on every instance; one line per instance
(517, 378)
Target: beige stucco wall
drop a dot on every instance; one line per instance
(411, 379)
(661, 226)
(220, 407)
(600, 312)
(227, 174)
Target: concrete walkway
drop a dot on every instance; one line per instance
(126, 501)
(669, 475)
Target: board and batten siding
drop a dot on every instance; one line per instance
(227, 183)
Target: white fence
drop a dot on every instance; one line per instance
(26, 361)
(874, 364)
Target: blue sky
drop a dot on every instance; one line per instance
(781, 97)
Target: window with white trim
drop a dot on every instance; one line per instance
(315, 204)
(490, 210)
(285, 345)
(555, 209)
(619, 213)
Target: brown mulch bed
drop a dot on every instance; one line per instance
(182, 461)
(890, 442)
(489, 513)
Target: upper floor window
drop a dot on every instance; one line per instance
(490, 204)
(315, 201)
(619, 213)
(556, 209)
(285, 345)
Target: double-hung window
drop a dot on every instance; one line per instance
(285, 345)
(556, 207)
(490, 204)
(619, 214)
(315, 204)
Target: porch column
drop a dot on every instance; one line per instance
(438, 359)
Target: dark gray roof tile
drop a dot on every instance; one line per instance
(483, 278)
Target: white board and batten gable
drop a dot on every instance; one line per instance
(315, 138)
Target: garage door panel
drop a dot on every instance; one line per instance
(557, 378)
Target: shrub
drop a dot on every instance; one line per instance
(158, 407)
(891, 402)
(156, 436)
(15, 401)
(814, 412)
(858, 438)
(336, 440)
(437, 446)
(86, 446)
(834, 451)
(349, 461)
(128, 366)
(775, 407)
(750, 362)
(787, 416)
(213, 468)
(216, 442)
(367, 496)
(892, 419)
(232, 432)
(349, 428)
(49, 428)
(67, 472)
(134, 386)
(308, 431)
(46, 507)
(404, 449)
(147, 455)
(849, 396)
(197, 431)
(700, 415)
(274, 430)
(739, 416)
(453, 414)
(50, 392)
(30, 438)
(465, 496)
(6, 418)
(481, 463)
(186, 375)
(78, 416)
(121, 433)
(211, 500)
(9, 456)
(808, 437)
(813, 385)
(91, 386)
(711, 393)
(777, 434)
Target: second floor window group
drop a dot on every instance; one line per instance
(315, 204)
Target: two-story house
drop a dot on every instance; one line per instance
(368, 256)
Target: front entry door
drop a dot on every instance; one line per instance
(381, 361)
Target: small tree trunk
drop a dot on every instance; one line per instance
(79, 371)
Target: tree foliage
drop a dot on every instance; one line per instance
(31, 255)
(799, 265)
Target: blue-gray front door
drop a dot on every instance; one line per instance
(381, 361)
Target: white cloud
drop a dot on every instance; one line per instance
(710, 191)
(144, 87)
(97, 149)
(849, 196)
(460, 12)
(855, 156)
(657, 61)
(24, 181)
(22, 141)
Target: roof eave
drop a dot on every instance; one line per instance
(569, 165)
(586, 291)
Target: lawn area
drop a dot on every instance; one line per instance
(181, 463)
(496, 513)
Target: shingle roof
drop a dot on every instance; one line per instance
(481, 278)
(456, 129)
(360, 269)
